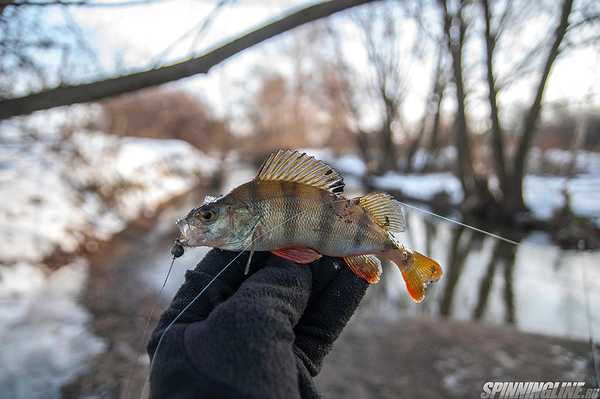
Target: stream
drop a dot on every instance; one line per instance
(534, 287)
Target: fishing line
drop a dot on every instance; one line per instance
(211, 282)
(588, 315)
(508, 240)
(176, 251)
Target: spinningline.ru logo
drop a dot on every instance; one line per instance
(538, 390)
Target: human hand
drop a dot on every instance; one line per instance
(260, 334)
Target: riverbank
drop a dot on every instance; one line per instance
(423, 358)
(68, 193)
(374, 357)
(124, 305)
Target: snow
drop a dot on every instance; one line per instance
(43, 330)
(89, 187)
(59, 192)
(421, 186)
(585, 161)
(543, 193)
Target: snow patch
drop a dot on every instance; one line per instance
(60, 192)
(43, 329)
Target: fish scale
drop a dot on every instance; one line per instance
(306, 218)
(294, 208)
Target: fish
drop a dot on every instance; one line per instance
(295, 209)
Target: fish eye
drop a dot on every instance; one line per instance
(207, 216)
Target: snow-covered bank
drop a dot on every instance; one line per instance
(543, 193)
(60, 192)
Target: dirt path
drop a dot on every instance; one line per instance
(422, 358)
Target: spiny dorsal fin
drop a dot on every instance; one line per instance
(297, 167)
(385, 210)
(366, 267)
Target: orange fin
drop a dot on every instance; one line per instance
(298, 255)
(366, 267)
(417, 269)
(420, 274)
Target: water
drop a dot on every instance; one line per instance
(534, 286)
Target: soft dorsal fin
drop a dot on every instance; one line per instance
(385, 210)
(297, 167)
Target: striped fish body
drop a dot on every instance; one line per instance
(297, 215)
(294, 208)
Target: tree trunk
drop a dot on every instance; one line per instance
(435, 105)
(463, 146)
(497, 131)
(532, 115)
(88, 92)
(388, 159)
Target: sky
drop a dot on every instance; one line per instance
(134, 36)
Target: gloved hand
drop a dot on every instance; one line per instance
(258, 336)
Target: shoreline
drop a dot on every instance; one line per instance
(410, 356)
(121, 305)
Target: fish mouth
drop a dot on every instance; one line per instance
(186, 231)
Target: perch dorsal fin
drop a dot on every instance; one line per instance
(385, 210)
(297, 167)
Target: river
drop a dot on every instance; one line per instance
(533, 287)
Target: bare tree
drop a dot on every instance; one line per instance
(511, 179)
(491, 38)
(455, 32)
(374, 85)
(431, 117)
(66, 95)
(533, 113)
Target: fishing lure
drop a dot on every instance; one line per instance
(294, 208)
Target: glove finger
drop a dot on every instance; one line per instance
(219, 290)
(324, 271)
(216, 259)
(326, 316)
(280, 287)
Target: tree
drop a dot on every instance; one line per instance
(531, 119)
(455, 32)
(374, 85)
(511, 179)
(73, 94)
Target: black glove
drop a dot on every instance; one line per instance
(258, 336)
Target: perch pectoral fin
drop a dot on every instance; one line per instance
(298, 255)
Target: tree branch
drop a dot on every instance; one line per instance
(77, 3)
(82, 93)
